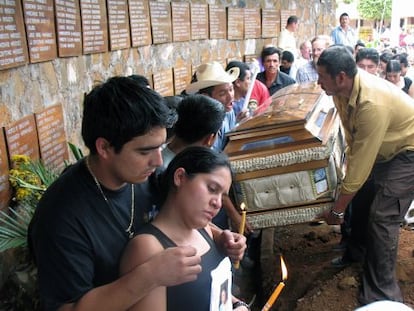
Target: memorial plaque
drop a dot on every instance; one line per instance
(39, 17)
(52, 137)
(270, 23)
(160, 22)
(217, 20)
(199, 21)
(5, 188)
(163, 82)
(13, 48)
(182, 76)
(181, 21)
(235, 23)
(94, 26)
(252, 23)
(139, 19)
(21, 138)
(118, 20)
(284, 15)
(68, 26)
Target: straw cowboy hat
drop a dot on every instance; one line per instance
(212, 74)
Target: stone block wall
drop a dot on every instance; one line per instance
(30, 88)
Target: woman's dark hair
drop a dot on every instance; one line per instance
(121, 109)
(336, 59)
(194, 160)
(393, 66)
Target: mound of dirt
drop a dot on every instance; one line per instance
(312, 283)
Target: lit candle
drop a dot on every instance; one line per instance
(241, 228)
(243, 220)
(278, 289)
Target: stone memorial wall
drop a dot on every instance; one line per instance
(54, 51)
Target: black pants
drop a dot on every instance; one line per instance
(394, 189)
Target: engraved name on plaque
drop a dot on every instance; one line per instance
(52, 137)
(13, 48)
(199, 21)
(160, 22)
(270, 23)
(217, 21)
(5, 188)
(181, 21)
(163, 82)
(235, 23)
(68, 26)
(94, 26)
(118, 20)
(182, 75)
(252, 23)
(21, 138)
(139, 19)
(39, 17)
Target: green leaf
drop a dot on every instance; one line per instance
(76, 151)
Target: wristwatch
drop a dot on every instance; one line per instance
(241, 304)
(337, 215)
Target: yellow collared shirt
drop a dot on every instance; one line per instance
(378, 120)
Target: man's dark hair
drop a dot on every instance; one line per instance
(198, 116)
(142, 80)
(243, 67)
(288, 56)
(368, 53)
(270, 50)
(173, 102)
(336, 59)
(342, 15)
(292, 20)
(121, 109)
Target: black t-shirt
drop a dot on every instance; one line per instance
(77, 238)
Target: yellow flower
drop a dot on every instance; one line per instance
(19, 159)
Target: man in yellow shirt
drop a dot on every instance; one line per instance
(378, 119)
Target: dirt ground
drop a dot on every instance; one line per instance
(312, 283)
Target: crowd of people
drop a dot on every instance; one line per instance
(140, 222)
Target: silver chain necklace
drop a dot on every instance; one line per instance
(98, 185)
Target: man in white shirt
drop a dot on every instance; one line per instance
(287, 40)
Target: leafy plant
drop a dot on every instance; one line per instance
(76, 151)
(29, 180)
(13, 227)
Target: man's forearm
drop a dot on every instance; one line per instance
(118, 295)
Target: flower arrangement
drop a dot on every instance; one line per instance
(29, 181)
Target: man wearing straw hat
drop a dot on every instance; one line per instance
(212, 80)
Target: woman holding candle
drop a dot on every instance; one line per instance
(192, 188)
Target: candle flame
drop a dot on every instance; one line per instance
(242, 206)
(284, 269)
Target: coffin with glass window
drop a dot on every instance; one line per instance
(288, 157)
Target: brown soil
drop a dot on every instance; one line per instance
(312, 283)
